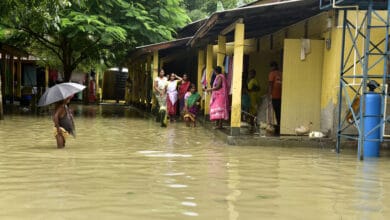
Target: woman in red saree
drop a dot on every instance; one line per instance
(219, 99)
(183, 89)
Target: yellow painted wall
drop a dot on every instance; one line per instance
(376, 36)
(301, 92)
(260, 57)
(331, 67)
(330, 79)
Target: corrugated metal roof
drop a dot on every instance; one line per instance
(13, 50)
(141, 50)
(164, 45)
(190, 29)
(363, 4)
(259, 2)
(259, 20)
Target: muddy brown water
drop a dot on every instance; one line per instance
(122, 165)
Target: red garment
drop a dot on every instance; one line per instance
(92, 91)
(172, 109)
(275, 77)
(183, 88)
(53, 75)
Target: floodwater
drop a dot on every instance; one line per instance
(122, 165)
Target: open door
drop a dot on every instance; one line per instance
(301, 90)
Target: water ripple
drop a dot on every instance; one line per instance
(127, 167)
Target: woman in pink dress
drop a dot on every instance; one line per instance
(219, 99)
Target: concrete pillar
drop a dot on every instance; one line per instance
(209, 69)
(140, 81)
(143, 79)
(1, 103)
(4, 68)
(221, 51)
(40, 91)
(133, 70)
(154, 75)
(149, 72)
(137, 81)
(47, 76)
(1, 88)
(238, 59)
(98, 90)
(200, 70)
(19, 79)
(12, 86)
(102, 87)
(127, 87)
(144, 87)
(162, 65)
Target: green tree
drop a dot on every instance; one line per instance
(72, 32)
(207, 7)
(197, 14)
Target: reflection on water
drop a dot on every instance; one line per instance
(124, 166)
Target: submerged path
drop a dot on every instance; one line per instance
(122, 165)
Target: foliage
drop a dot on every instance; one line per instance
(208, 7)
(197, 14)
(76, 32)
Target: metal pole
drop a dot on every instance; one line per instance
(385, 71)
(367, 40)
(341, 82)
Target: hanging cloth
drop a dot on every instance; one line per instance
(305, 48)
(204, 78)
(230, 76)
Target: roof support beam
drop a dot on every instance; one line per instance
(201, 65)
(232, 26)
(203, 31)
(209, 69)
(221, 51)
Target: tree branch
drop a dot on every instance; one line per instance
(83, 55)
(37, 36)
(50, 45)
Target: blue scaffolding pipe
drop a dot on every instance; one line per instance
(341, 83)
(385, 63)
(367, 41)
(377, 54)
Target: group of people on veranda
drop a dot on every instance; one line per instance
(250, 98)
(174, 94)
(173, 91)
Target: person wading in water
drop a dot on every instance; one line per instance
(63, 122)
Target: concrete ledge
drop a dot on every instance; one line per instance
(282, 141)
(272, 141)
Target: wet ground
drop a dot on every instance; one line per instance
(122, 165)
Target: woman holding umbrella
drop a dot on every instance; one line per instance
(63, 122)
